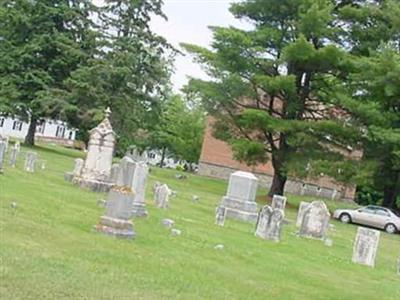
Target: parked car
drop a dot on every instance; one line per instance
(371, 215)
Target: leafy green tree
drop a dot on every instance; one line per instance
(180, 130)
(273, 88)
(41, 43)
(131, 75)
(375, 108)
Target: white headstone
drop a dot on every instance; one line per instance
(139, 187)
(30, 161)
(14, 154)
(315, 222)
(300, 214)
(366, 246)
(2, 153)
(78, 167)
(220, 214)
(126, 170)
(270, 223)
(162, 196)
(100, 152)
(114, 173)
(278, 202)
(239, 201)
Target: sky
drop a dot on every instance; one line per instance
(188, 22)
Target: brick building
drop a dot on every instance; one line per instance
(216, 160)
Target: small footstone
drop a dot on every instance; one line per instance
(219, 247)
(176, 232)
(14, 205)
(195, 198)
(328, 242)
(168, 223)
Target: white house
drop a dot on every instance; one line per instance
(48, 130)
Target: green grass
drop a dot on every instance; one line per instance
(48, 249)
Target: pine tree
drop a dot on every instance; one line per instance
(131, 75)
(273, 88)
(42, 42)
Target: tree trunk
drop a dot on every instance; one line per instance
(278, 185)
(30, 136)
(391, 192)
(162, 157)
(279, 180)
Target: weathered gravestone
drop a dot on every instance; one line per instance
(14, 154)
(270, 223)
(113, 173)
(162, 196)
(156, 185)
(2, 154)
(365, 246)
(220, 214)
(139, 186)
(97, 167)
(30, 161)
(76, 172)
(315, 221)
(300, 214)
(278, 202)
(239, 201)
(116, 220)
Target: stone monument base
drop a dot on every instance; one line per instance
(139, 210)
(94, 185)
(240, 210)
(116, 227)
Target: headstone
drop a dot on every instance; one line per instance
(116, 220)
(162, 196)
(315, 221)
(97, 167)
(43, 164)
(300, 214)
(270, 223)
(30, 161)
(156, 185)
(239, 201)
(176, 232)
(168, 223)
(114, 173)
(219, 247)
(328, 242)
(366, 246)
(195, 198)
(14, 154)
(2, 153)
(278, 202)
(139, 187)
(78, 167)
(220, 214)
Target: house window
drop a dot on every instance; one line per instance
(1, 122)
(40, 127)
(17, 126)
(152, 155)
(70, 135)
(60, 131)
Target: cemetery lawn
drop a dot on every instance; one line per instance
(48, 249)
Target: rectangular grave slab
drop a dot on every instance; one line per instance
(366, 246)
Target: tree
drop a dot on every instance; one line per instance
(42, 42)
(180, 130)
(131, 75)
(273, 88)
(375, 108)
(374, 85)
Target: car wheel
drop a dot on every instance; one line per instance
(345, 218)
(390, 228)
